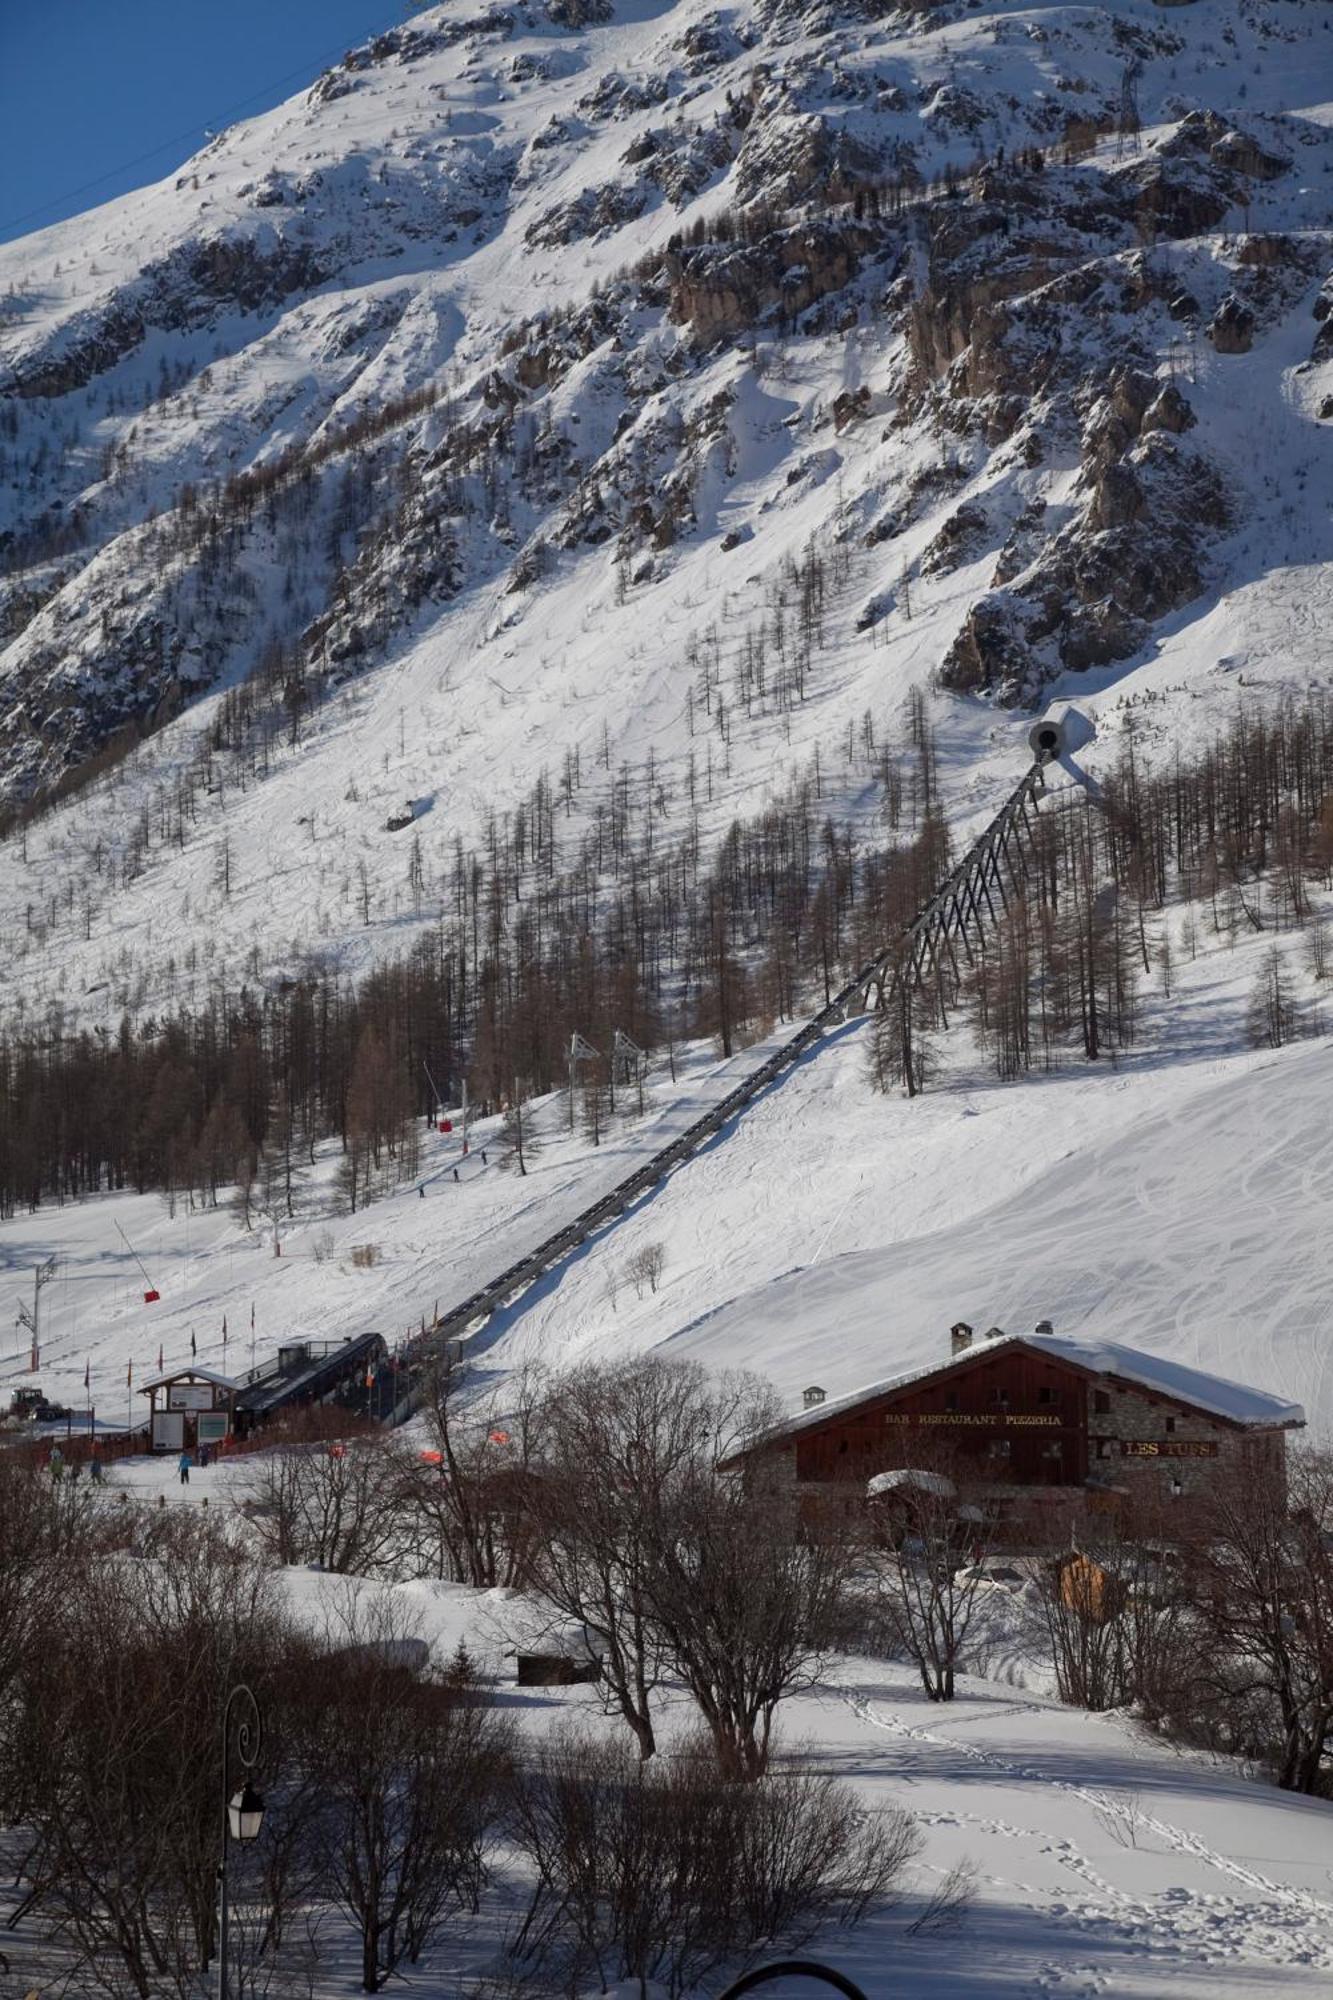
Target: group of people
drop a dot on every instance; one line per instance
(57, 1465)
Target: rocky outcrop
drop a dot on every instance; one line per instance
(960, 540)
(1231, 329)
(579, 13)
(181, 291)
(591, 213)
(718, 289)
(1134, 553)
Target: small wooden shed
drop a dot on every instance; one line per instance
(190, 1407)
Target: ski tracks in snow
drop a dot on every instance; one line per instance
(1270, 1924)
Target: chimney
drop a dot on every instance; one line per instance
(960, 1336)
(995, 1333)
(813, 1396)
(1043, 1326)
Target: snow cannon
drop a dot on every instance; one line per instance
(1049, 739)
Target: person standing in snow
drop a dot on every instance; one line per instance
(183, 1464)
(96, 1471)
(57, 1464)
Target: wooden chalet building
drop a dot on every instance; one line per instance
(1038, 1422)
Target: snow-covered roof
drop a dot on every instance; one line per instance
(193, 1373)
(1212, 1394)
(910, 1475)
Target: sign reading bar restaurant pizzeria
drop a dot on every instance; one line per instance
(1167, 1448)
(991, 1419)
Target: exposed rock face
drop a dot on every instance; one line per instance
(718, 290)
(589, 214)
(1168, 411)
(578, 13)
(314, 374)
(962, 538)
(179, 292)
(1231, 329)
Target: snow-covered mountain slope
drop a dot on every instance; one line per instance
(650, 393)
(646, 401)
(1176, 1202)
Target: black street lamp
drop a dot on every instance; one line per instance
(242, 1811)
(794, 1968)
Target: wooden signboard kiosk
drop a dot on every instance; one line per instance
(190, 1407)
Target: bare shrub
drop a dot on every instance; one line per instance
(336, 1505)
(613, 1439)
(464, 1509)
(365, 1256)
(323, 1246)
(924, 1565)
(749, 1610)
(947, 1906)
(659, 1872)
(667, 1562)
(413, 1765)
(1084, 1593)
(1261, 1580)
(645, 1268)
(125, 1697)
(48, 1532)
(1122, 1820)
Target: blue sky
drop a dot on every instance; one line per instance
(88, 88)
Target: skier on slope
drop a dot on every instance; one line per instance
(183, 1466)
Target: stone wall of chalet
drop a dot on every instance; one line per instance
(1156, 1448)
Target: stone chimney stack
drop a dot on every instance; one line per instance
(813, 1396)
(1043, 1326)
(960, 1337)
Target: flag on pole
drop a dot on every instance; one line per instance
(129, 1375)
(87, 1377)
(224, 1331)
(160, 1363)
(252, 1315)
(193, 1349)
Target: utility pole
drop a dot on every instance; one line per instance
(32, 1320)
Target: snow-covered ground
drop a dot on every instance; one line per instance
(1106, 1864)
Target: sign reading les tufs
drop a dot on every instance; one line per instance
(1167, 1448)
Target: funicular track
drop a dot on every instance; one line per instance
(974, 894)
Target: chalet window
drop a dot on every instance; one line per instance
(1046, 1394)
(1104, 1447)
(999, 1448)
(951, 1400)
(997, 1395)
(1170, 1424)
(1101, 1402)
